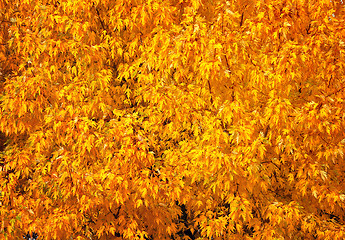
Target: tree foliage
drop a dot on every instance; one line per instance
(174, 119)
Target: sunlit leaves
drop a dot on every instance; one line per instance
(172, 119)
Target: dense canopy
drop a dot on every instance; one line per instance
(172, 119)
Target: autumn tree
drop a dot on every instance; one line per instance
(187, 119)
